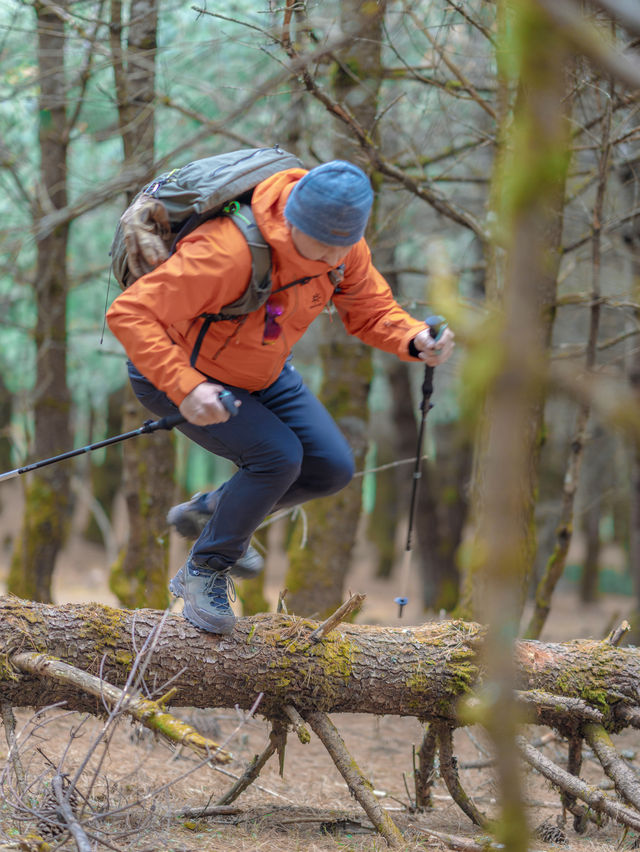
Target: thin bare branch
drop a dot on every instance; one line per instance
(149, 713)
(563, 780)
(354, 603)
(9, 721)
(624, 778)
(455, 70)
(449, 772)
(585, 38)
(253, 769)
(359, 786)
(625, 12)
(75, 829)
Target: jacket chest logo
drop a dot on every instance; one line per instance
(316, 300)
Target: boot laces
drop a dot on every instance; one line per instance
(220, 588)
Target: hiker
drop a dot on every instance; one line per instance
(285, 444)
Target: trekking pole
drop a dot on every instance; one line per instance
(168, 422)
(437, 325)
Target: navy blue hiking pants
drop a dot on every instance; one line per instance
(287, 448)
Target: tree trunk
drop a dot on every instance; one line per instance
(48, 494)
(420, 671)
(140, 575)
(529, 181)
(444, 487)
(630, 177)
(316, 573)
(106, 476)
(6, 411)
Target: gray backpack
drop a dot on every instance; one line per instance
(176, 202)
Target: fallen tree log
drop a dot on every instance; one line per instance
(407, 671)
(296, 671)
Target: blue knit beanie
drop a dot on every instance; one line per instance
(331, 203)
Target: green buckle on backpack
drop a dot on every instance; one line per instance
(231, 207)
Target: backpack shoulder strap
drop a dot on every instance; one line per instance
(259, 287)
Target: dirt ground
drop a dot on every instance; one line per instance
(309, 808)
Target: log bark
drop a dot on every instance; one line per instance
(407, 671)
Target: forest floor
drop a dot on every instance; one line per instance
(309, 808)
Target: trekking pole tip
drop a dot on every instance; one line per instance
(402, 602)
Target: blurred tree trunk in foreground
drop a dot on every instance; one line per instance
(529, 187)
(140, 575)
(48, 492)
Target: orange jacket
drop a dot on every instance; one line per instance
(157, 318)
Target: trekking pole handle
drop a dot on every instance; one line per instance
(437, 326)
(225, 396)
(229, 402)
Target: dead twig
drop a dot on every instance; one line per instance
(424, 772)
(282, 607)
(9, 721)
(251, 772)
(563, 780)
(559, 704)
(75, 829)
(149, 713)
(298, 724)
(359, 786)
(574, 764)
(616, 635)
(461, 844)
(344, 611)
(207, 811)
(624, 778)
(449, 773)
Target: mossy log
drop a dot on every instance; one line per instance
(407, 671)
(295, 671)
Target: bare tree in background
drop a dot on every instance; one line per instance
(48, 496)
(139, 577)
(317, 572)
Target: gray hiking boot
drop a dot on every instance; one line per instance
(190, 518)
(206, 595)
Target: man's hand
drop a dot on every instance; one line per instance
(434, 352)
(202, 406)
